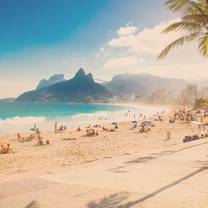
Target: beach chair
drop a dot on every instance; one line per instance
(195, 137)
(187, 139)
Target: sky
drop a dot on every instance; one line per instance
(105, 37)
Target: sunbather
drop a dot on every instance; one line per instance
(47, 142)
(134, 126)
(105, 129)
(26, 139)
(40, 141)
(3, 149)
(144, 129)
(9, 149)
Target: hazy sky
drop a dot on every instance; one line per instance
(43, 37)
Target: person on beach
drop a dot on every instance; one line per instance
(104, 129)
(56, 127)
(47, 142)
(25, 139)
(9, 149)
(37, 131)
(40, 141)
(5, 150)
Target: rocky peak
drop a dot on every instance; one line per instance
(90, 77)
(80, 74)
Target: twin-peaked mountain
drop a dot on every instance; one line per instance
(81, 88)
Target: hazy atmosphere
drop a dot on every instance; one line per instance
(103, 103)
(104, 37)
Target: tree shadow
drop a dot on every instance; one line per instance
(32, 204)
(117, 201)
(112, 201)
(154, 156)
(141, 160)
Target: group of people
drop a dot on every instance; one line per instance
(187, 115)
(36, 134)
(40, 141)
(6, 149)
(59, 129)
(91, 132)
(197, 120)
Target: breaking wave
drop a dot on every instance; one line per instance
(22, 120)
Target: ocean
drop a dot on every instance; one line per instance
(18, 117)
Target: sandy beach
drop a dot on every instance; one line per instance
(72, 147)
(108, 151)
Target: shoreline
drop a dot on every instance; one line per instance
(73, 148)
(25, 123)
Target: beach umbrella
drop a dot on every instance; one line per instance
(33, 129)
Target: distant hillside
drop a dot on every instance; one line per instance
(81, 88)
(52, 80)
(142, 84)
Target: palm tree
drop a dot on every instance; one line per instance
(194, 22)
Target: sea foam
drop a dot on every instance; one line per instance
(22, 120)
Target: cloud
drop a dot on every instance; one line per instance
(101, 52)
(121, 62)
(122, 41)
(146, 44)
(127, 30)
(149, 41)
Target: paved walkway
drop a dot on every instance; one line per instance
(174, 178)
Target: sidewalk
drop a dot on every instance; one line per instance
(169, 178)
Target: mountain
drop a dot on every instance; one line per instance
(52, 80)
(81, 88)
(142, 84)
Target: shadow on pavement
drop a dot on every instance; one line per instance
(117, 201)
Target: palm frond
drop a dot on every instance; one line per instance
(183, 25)
(186, 6)
(197, 18)
(203, 2)
(203, 45)
(180, 41)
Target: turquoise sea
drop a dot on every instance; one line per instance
(50, 111)
(16, 116)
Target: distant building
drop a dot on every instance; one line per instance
(203, 93)
(189, 94)
(161, 96)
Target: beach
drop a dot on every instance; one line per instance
(72, 147)
(72, 154)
